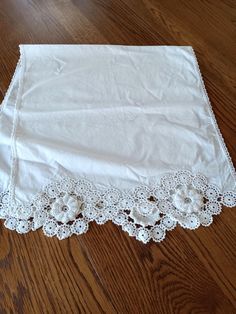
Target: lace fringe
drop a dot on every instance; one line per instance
(67, 206)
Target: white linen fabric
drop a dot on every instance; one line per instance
(104, 132)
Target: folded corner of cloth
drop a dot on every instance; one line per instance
(106, 132)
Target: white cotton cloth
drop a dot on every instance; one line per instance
(120, 116)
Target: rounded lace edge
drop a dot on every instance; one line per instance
(67, 206)
(213, 118)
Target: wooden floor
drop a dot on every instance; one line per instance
(105, 271)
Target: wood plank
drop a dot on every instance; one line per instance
(106, 271)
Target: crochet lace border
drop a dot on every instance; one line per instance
(67, 206)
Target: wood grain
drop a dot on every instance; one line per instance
(105, 271)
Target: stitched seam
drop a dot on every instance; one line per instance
(14, 129)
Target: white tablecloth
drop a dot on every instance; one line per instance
(111, 125)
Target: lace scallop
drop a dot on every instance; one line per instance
(67, 206)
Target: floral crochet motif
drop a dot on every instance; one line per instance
(145, 214)
(187, 200)
(67, 206)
